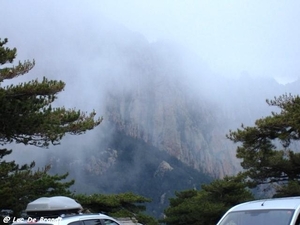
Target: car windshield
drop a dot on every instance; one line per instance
(258, 217)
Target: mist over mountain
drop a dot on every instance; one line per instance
(166, 113)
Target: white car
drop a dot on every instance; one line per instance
(60, 210)
(277, 211)
(82, 219)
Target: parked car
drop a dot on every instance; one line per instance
(60, 210)
(81, 219)
(277, 211)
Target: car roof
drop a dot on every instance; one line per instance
(275, 203)
(88, 216)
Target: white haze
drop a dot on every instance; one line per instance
(259, 37)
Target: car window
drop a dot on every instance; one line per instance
(109, 222)
(258, 217)
(92, 222)
(298, 220)
(76, 223)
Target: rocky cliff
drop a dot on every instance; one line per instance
(163, 108)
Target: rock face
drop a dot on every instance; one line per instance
(175, 127)
(164, 109)
(162, 169)
(209, 152)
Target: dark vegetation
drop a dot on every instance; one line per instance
(136, 170)
(144, 178)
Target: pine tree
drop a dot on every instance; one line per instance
(209, 204)
(21, 184)
(27, 117)
(267, 149)
(26, 113)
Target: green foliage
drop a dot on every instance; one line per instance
(209, 204)
(292, 188)
(264, 150)
(183, 208)
(112, 203)
(26, 114)
(21, 184)
(6, 54)
(146, 219)
(117, 205)
(230, 190)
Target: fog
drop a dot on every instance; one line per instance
(261, 38)
(87, 43)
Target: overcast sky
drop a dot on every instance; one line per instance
(231, 36)
(260, 37)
